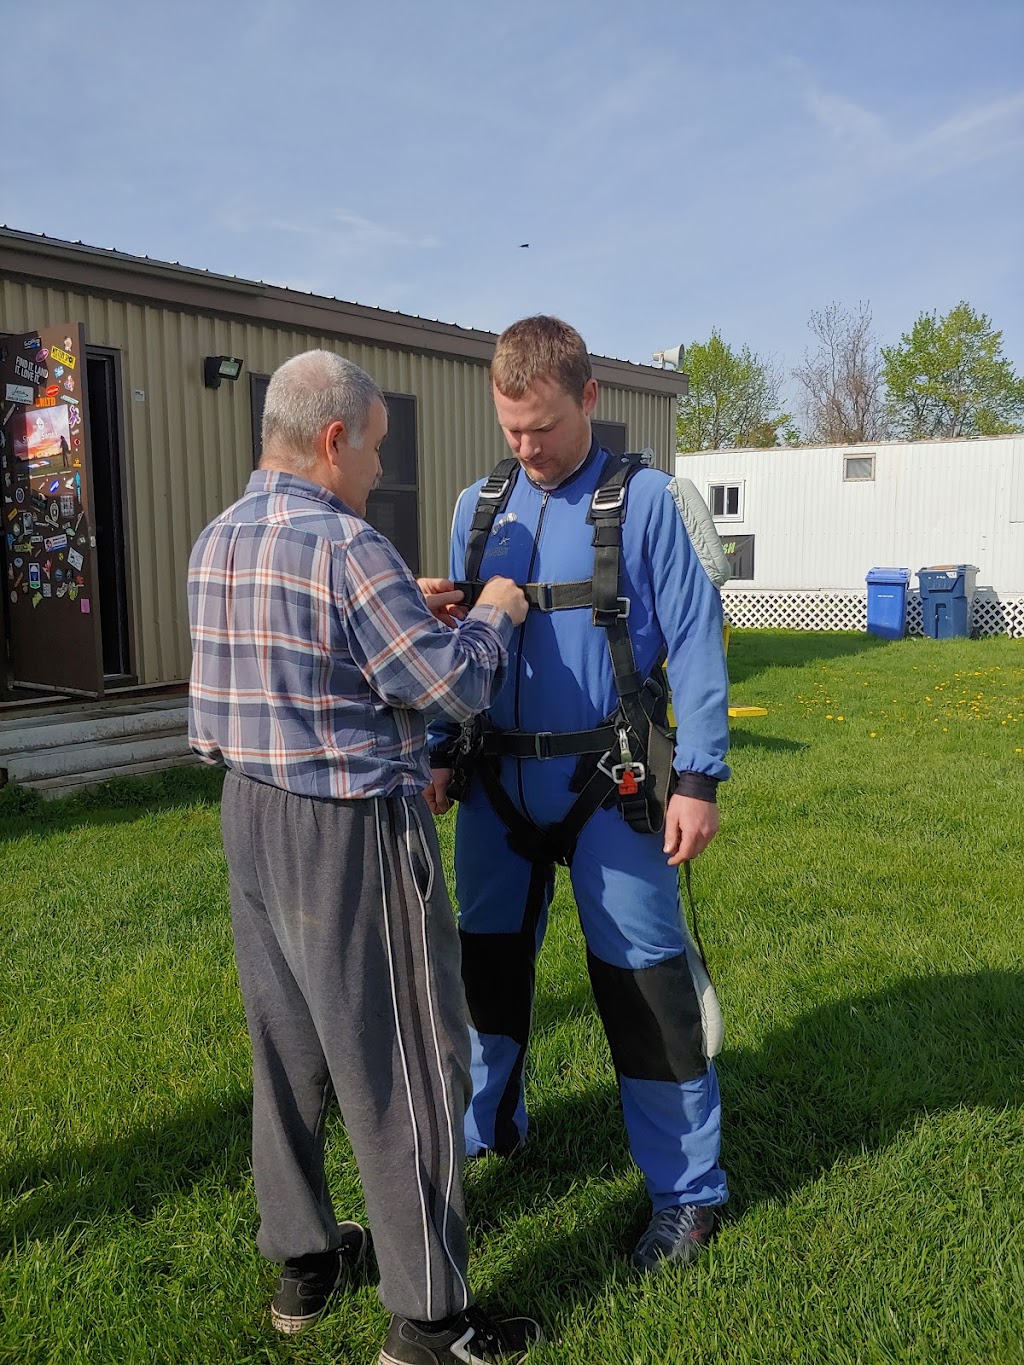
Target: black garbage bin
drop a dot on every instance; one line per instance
(947, 595)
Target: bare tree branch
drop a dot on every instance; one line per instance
(842, 378)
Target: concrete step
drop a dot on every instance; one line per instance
(108, 757)
(75, 744)
(68, 785)
(87, 726)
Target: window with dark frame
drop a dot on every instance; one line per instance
(393, 507)
(612, 436)
(257, 397)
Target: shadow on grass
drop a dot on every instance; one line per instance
(850, 1076)
(846, 1078)
(747, 739)
(754, 651)
(24, 811)
(135, 1174)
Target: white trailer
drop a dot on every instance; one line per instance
(804, 525)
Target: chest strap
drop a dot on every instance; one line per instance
(541, 596)
(607, 509)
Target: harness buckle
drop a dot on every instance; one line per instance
(628, 783)
(545, 597)
(604, 617)
(494, 495)
(605, 501)
(621, 772)
(542, 744)
(627, 774)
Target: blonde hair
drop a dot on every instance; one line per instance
(540, 348)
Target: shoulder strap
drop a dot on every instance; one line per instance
(607, 512)
(491, 499)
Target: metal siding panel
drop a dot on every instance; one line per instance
(649, 419)
(189, 449)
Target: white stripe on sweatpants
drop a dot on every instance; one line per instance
(452, 1162)
(424, 1212)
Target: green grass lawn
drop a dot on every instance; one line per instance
(863, 913)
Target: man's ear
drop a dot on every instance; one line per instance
(589, 397)
(331, 436)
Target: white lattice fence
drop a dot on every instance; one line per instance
(794, 610)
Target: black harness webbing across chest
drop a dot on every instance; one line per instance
(634, 746)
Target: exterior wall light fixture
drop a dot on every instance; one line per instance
(218, 367)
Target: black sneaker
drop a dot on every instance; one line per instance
(675, 1236)
(307, 1283)
(473, 1339)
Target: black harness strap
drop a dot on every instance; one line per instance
(611, 610)
(547, 744)
(625, 739)
(556, 844)
(541, 596)
(492, 499)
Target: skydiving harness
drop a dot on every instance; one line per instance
(628, 757)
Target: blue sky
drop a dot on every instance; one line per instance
(674, 167)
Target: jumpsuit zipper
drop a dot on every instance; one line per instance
(519, 651)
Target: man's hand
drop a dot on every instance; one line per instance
(442, 599)
(509, 596)
(690, 825)
(437, 793)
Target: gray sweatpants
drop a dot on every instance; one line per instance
(348, 958)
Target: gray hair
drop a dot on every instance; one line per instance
(304, 395)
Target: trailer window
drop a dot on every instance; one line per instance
(726, 501)
(858, 468)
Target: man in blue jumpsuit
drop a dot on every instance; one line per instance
(626, 884)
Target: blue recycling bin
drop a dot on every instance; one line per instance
(887, 602)
(947, 594)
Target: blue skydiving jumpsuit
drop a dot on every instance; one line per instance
(561, 679)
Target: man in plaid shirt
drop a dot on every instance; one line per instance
(317, 663)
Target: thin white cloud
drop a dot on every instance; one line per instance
(982, 120)
(850, 123)
(968, 136)
(352, 233)
(362, 230)
(342, 231)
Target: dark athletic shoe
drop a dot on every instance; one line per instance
(675, 1236)
(474, 1339)
(307, 1283)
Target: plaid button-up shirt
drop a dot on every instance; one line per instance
(316, 664)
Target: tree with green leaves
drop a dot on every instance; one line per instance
(949, 377)
(733, 400)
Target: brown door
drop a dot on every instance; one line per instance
(50, 576)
